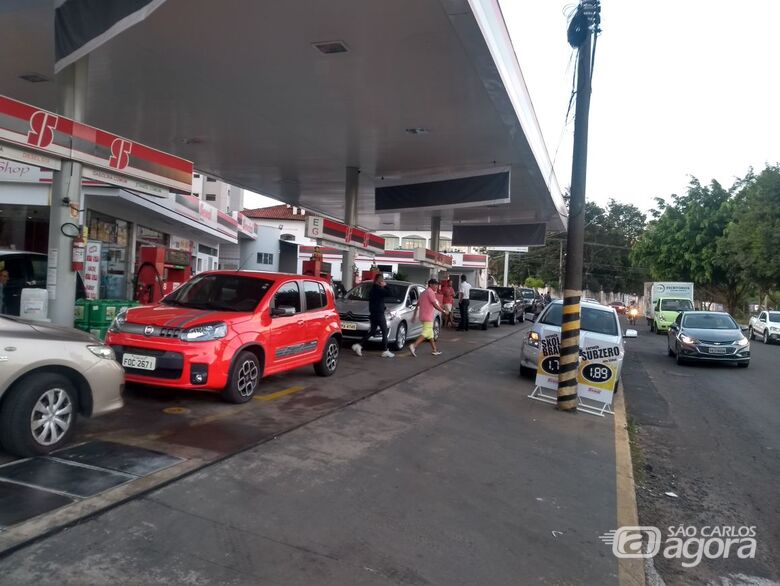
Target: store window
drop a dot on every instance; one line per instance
(391, 242)
(411, 242)
(445, 244)
(211, 197)
(24, 228)
(287, 237)
(113, 272)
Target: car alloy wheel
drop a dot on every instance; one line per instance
(246, 381)
(436, 329)
(766, 337)
(400, 336)
(51, 417)
(332, 356)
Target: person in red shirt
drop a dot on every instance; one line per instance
(448, 295)
(425, 307)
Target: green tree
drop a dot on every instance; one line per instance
(534, 282)
(752, 238)
(682, 243)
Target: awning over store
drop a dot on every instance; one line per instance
(405, 90)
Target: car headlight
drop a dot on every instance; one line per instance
(102, 352)
(661, 317)
(743, 341)
(688, 340)
(508, 305)
(774, 329)
(119, 321)
(390, 315)
(533, 339)
(204, 333)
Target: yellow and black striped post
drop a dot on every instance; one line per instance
(570, 351)
(583, 27)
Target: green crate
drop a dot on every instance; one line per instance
(102, 311)
(79, 311)
(81, 325)
(99, 332)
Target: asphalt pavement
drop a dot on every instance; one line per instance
(450, 476)
(709, 434)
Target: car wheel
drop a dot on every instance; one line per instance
(513, 319)
(400, 337)
(751, 335)
(669, 349)
(330, 358)
(766, 337)
(498, 321)
(486, 322)
(743, 364)
(38, 415)
(244, 379)
(679, 359)
(522, 316)
(526, 372)
(436, 329)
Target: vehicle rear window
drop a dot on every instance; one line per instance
(676, 305)
(528, 293)
(315, 295)
(478, 295)
(395, 293)
(504, 292)
(220, 292)
(591, 320)
(709, 321)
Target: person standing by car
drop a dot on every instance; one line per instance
(464, 292)
(448, 295)
(376, 316)
(425, 307)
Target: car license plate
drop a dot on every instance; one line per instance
(139, 362)
(348, 325)
(717, 350)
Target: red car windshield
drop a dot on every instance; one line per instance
(220, 292)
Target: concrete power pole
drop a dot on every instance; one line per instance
(582, 30)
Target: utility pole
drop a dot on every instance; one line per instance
(581, 32)
(560, 266)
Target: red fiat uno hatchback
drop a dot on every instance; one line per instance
(224, 330)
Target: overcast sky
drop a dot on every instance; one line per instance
(679, 88)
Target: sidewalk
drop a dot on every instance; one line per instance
(452, 477)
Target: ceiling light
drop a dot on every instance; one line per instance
(417, 130)
(331, 47)
(34, 77)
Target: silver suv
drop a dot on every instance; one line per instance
(48, 376)
(400, 302)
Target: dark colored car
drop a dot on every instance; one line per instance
(618, 306)
(512, 304)
(531, 300)
(707, 336)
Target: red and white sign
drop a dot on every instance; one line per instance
(343, 236)
(245, 225)
(92, 270)
(113, 158)
(432, 258)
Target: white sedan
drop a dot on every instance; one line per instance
(598, 322)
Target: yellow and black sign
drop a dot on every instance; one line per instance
(598, 370)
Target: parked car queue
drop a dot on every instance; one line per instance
(220, 332)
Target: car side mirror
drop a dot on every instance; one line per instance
(283, 311)
(630, 334)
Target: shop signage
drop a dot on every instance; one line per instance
(343, 236)
(15, 172)
(112, 158)
(28, 158)
(432, 258)
(598, 370)
(548, 362)
(92, 270)
(245, 225)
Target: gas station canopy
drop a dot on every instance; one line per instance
(281, 97)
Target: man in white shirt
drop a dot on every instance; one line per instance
(464, 292)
